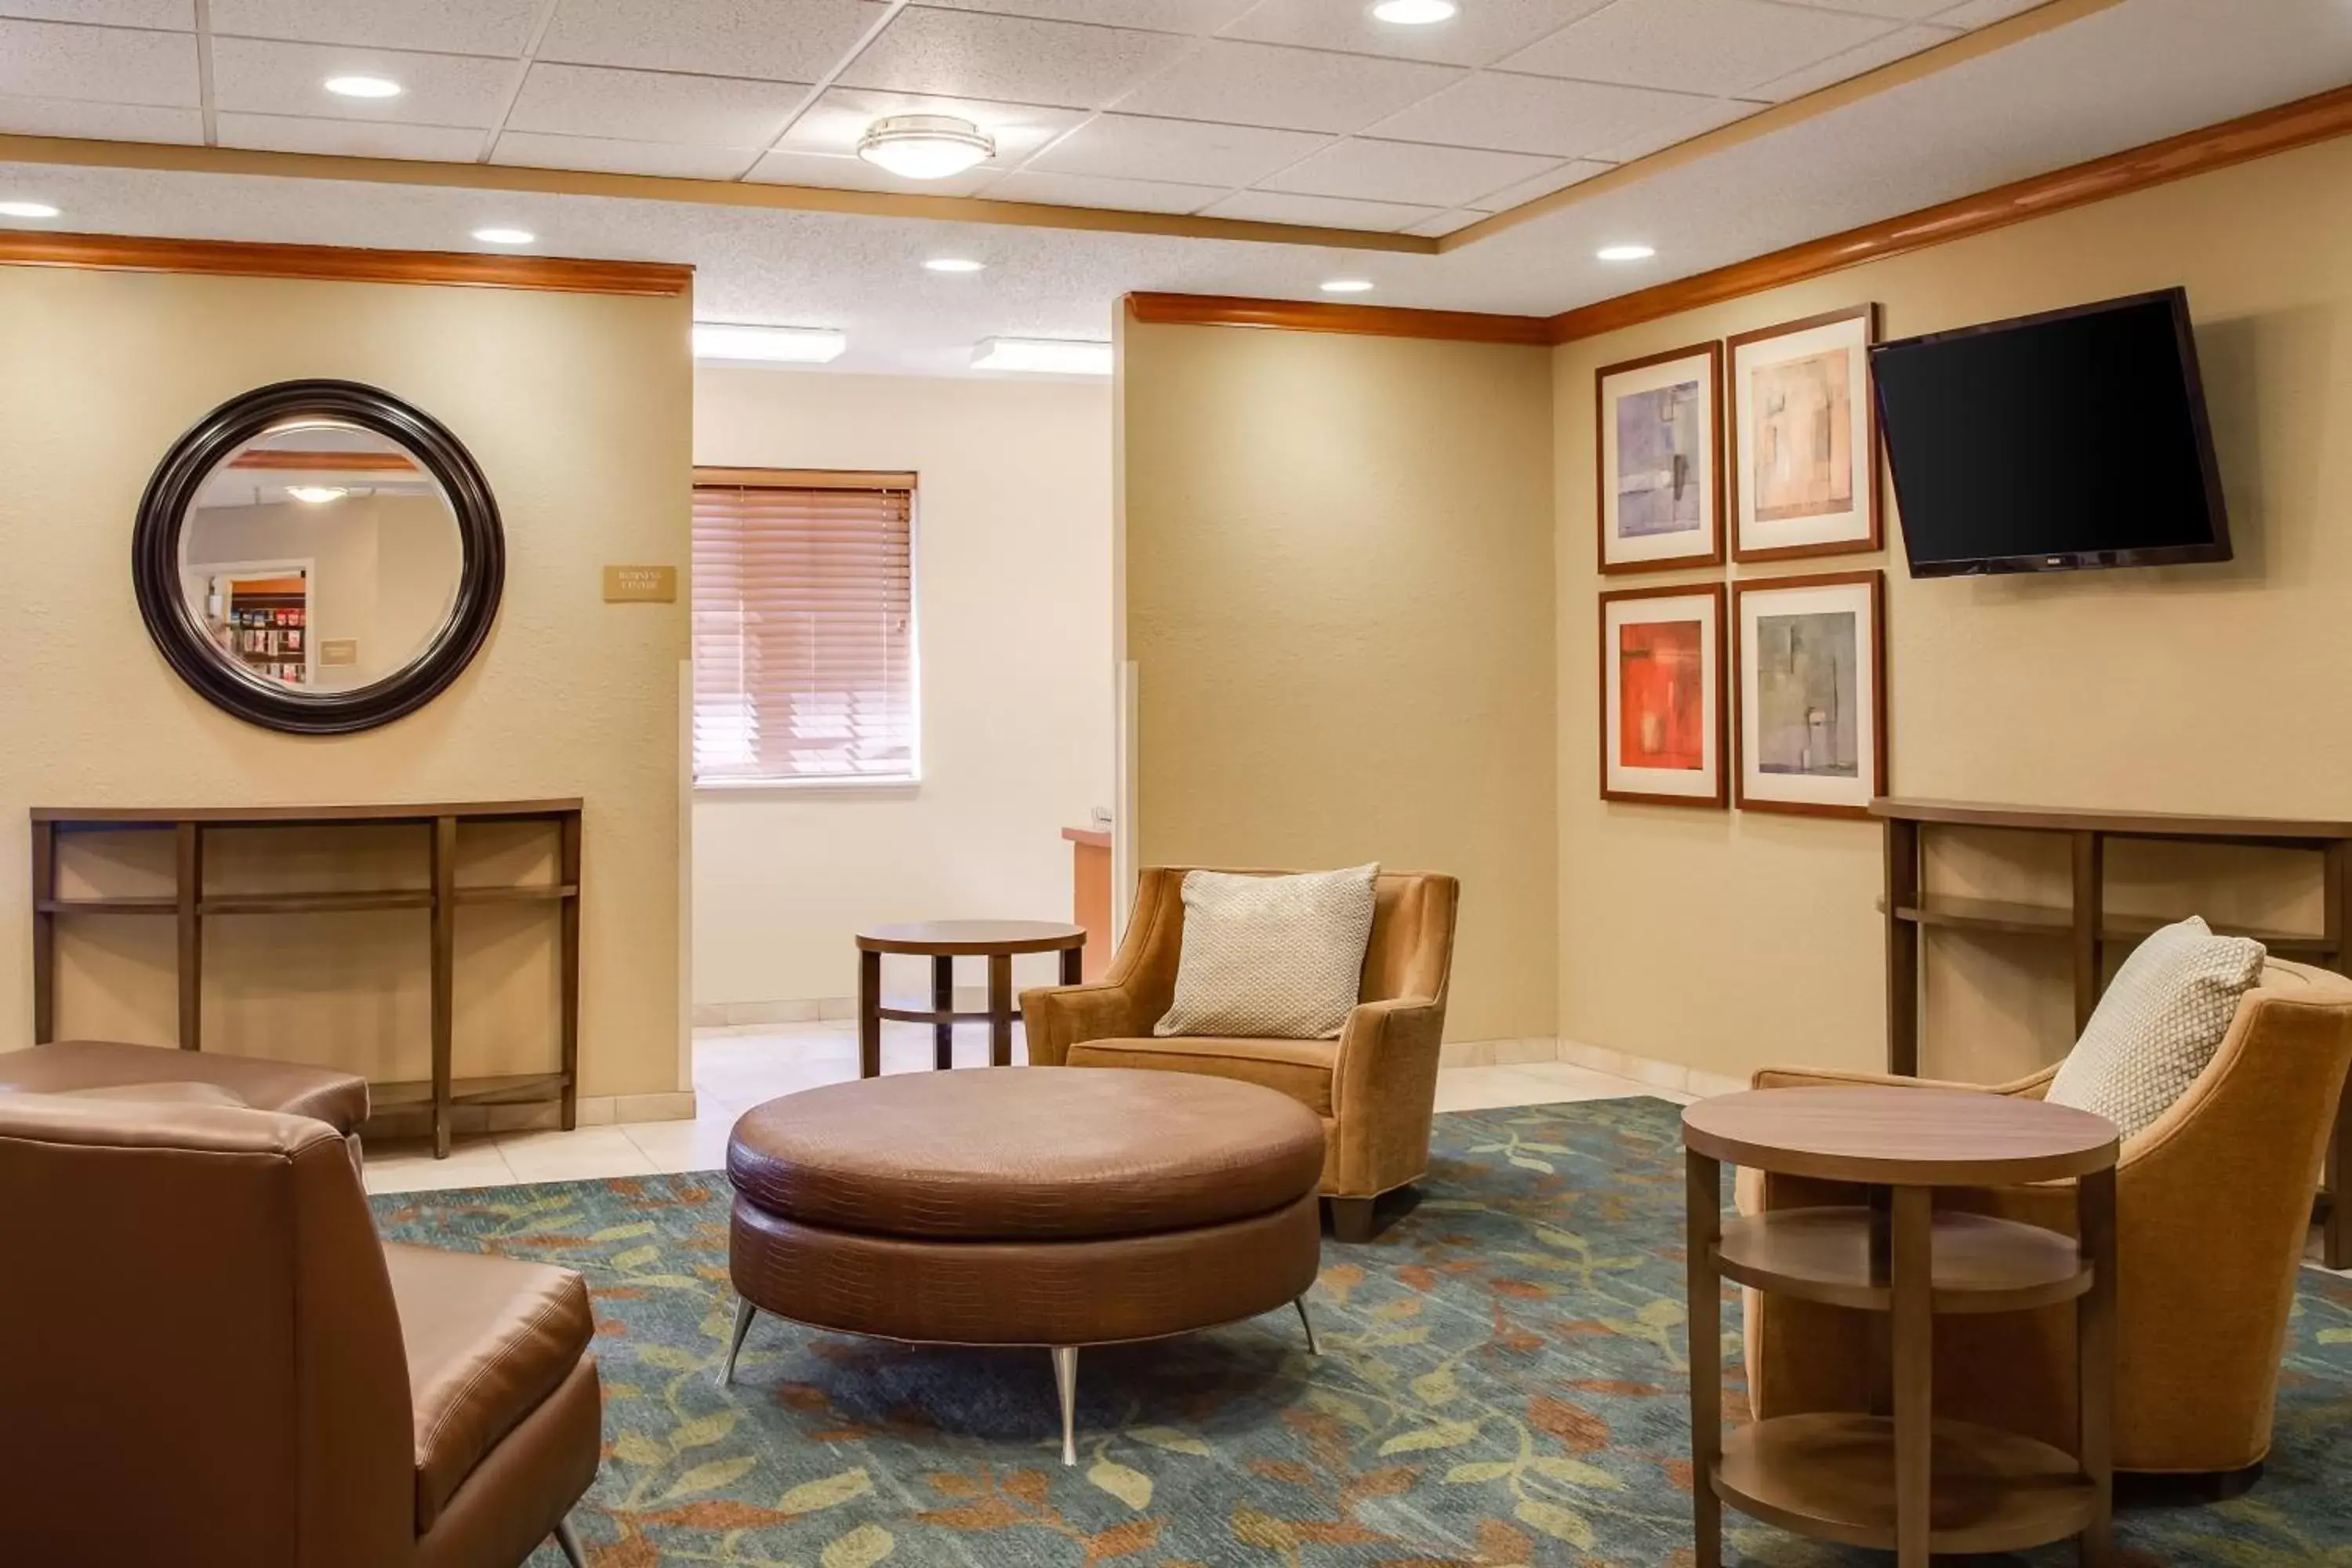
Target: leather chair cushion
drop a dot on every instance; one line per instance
(1015, 1154)
(75, 1066)
(489, 1339)
(1300, 1068)
(513, 1500)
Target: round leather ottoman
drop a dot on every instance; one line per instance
(1024, 1207)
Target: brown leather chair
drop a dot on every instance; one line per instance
(209, 1359)
(2214, 1204)
(1375, 1087)
(114, 1069)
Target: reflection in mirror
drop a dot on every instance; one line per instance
(321, 556)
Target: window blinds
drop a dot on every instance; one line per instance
(803, 626)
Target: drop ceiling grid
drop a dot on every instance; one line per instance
(1389, 129)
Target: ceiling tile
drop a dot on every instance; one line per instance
(174, 15)
(1090, 191)
(857, 174)
(1714, 46)
(605, 155)
(1881, 50)
(1296, 89)
(50, 59)
(1894, 10)
(1194, 17)
(1575, 172)
(1692, 117)
(653, 106)
(1406, 171)
(449, 26)
(99, 121)
(797, 42)
(1980, 13)
(1537, 114)
(970, 54)
(1132, 146)
(1479, 34)
(350, 138)
(1444, 224)
(836, 120)
(1323, 212)
(257, 77)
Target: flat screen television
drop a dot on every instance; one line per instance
(2052, 442)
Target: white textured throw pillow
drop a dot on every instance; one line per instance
(2158, 1024)
(1271, 957)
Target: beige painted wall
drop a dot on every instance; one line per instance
(1337, 577)
(1012, 613)
(578, 409)
(1729, 940)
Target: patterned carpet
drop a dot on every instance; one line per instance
(1502, 1382)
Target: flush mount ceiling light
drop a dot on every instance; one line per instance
(1625, 253)
(317, 495)
(1348, 286)
(362, 87)
(953, 264)
(1050, 356)
(768, 345)
(27, 209)
(504, 236)
(1415, 12)
(925, 146)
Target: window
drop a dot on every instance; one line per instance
(803, 627)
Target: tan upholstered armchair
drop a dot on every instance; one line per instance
(1374, 1087)
(2214, 1207)
(207, 1359)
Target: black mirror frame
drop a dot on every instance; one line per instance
(181, 637)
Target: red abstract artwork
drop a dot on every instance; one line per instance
(1661, 704)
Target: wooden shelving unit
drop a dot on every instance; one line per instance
(439, 899)
(2088, 927)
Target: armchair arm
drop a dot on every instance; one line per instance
(1055, 1017)
(2030, 1088)
(1383, 1090)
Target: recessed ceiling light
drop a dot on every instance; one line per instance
(317, 495)
(953, 264)
(362, 87)
(1052, 356)
(1348, 286)
(27, 209)
(504, 236)
(1415, 12)
(1625, 252)
(925, 146)
(768, 345)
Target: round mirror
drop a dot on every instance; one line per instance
(319, 557)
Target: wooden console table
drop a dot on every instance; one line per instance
(2086, 925)
(439, 899)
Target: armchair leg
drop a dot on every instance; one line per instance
(569, 1543)
(1351, 1219)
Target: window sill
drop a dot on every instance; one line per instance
(722, 788)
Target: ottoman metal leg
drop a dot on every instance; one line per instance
(1308, 1323)
(568, 1543)
(744, 1313)
(1066, 1384)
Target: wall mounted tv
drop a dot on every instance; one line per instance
(2052, 442)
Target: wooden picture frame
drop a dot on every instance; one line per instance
(1672, 724)
(1826, 506)
(1682, 524)
(1770, 766)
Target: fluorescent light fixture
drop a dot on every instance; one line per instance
(925, 146)
(1052, 356)
(27, 209)
(1625, 252)
(362, 87)
(1415, 12)
(771, 345)
(317, 495)
(1348, 286)
(504, 236)
(953, 264)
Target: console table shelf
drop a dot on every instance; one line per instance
(438, 897)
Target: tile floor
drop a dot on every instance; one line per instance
(736, 1069)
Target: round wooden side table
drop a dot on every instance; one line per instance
(1897, 1479)
(944, 941)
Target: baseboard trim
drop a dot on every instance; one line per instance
(595, 1110)
(1675, 1077)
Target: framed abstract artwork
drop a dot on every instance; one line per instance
(1810, 692)
(1660, 445)
(1661, 662)
(1803, 476)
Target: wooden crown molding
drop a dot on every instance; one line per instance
(1314, 316)
(2306, 121)
(245, 258)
